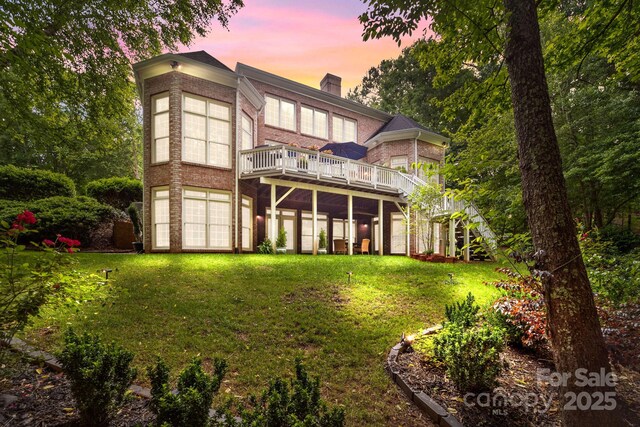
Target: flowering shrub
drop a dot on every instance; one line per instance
(521, 310)
(29, 281)
(74, 217)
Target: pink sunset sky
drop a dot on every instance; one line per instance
(301, 40)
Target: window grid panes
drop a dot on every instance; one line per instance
(247, 132)
(160, 128)
(307, 229)
(400, 163)
(161, 218)
(247, 224)
(207, 219)
(344, 130)
(207, 132)
(313, 122)
(280, 113)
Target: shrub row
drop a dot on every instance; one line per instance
(116, 192)
(33, 184)
(100, 375)
(70, 216)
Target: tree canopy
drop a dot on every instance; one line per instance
(66, 94)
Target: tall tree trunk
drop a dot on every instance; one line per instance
(574, 328)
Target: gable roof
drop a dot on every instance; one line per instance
(302, 89)
(205, 58)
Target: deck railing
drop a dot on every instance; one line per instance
(312, 164)
(321, 166)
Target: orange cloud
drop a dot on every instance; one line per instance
(300, 43)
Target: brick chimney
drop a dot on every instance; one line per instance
(331, 84)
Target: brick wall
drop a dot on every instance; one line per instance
(177, 174)
(367, 126)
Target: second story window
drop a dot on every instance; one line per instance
(160, 128)
(207, 131)
(313, 122)
(247, 133)
(344, 130)
(280, 113)
(400, 163)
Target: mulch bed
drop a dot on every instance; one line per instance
(44, 399)
(621, 328)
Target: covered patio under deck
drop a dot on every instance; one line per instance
(304, 208)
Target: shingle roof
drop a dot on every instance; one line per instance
(400, 122)
(205, 58)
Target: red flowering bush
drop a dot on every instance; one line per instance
(29, 281)
(522, 310)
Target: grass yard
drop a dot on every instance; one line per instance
(260, 312)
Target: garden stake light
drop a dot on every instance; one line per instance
(349, 273)
(106, 272)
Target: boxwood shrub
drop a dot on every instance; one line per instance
(73, 217)
(32, 184)
(116, 192)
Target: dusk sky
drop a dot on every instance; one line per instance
(301, 40)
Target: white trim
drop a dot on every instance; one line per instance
(281, 100)
(404, 134)
(207, 199)
(331, 190)
(207, 141)
(251, 216)
(155, 113)
(312, 93)
(161, 64)
(344, 120)
(313, 122)
(154, 190)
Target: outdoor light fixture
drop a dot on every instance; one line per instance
(405, 343)
(349, 273)
(106, 272)
(175, 65)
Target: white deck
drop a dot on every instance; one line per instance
(321, 167)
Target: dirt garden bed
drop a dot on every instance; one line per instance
(519, 398)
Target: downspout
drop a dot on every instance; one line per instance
(415, 152)
(238, 120)
(415, 171)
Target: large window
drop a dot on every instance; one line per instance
(206, 219)
(207, 131)
(307, 229)
(247, 132)
(344, 130)
(286, 219)
(247, 223)
(160, 128)
(280, 113)
(341, 229)
(398, 233)
(400, 162)
(313, 122)
(160, 218)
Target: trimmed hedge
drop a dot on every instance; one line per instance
(33, 184)
(70, 216)
(116, 192)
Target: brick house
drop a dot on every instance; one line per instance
(230, 157)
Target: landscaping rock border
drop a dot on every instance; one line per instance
(422, 400)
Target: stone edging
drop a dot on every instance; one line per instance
(422, 400)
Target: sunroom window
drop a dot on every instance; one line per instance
(207, 131)
(160, 128)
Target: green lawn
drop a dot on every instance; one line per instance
(260, 312)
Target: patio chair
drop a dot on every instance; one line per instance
(339, 246)
(364, 246)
